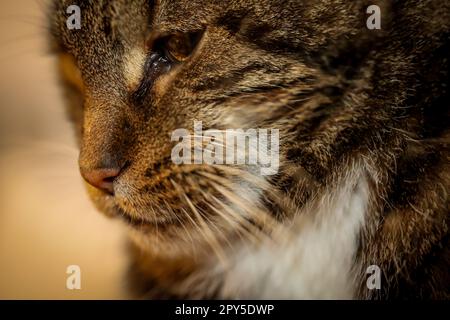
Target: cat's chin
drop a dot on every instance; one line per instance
(177, 241)
(169, 236)
(146, 225)
(147, 216)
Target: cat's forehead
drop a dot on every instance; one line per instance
(126, 20)
(180, 15)
(100, 21)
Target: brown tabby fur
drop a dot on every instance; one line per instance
(339, 93)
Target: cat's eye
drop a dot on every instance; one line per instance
(166, 51)
(179, 46)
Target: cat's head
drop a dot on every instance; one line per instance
(138, 70)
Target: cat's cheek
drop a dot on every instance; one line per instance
(134, 64)
(162, 85)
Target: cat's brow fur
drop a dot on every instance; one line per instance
(354, 106)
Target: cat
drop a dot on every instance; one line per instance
(364, 170)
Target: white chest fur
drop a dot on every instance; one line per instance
(317, 262)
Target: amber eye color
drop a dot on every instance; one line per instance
(178, 47)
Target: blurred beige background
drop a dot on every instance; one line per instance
(46, 220)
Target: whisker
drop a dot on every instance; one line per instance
(26, 37)
(210, 223)
(254, 236)
(42, 146)
(254, 212)
(282, 200)
(188, 234)
(203, 228)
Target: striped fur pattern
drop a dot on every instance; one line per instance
(364, 155)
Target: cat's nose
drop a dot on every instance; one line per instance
(102, 178)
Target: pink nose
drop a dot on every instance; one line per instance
(102, 178)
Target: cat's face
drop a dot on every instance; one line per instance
(138, 70)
